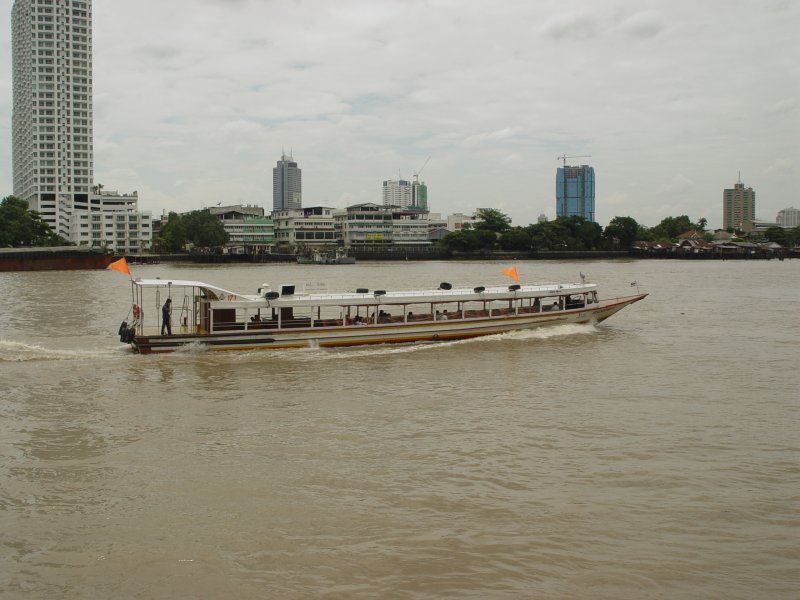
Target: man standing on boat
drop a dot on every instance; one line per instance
(166, 317)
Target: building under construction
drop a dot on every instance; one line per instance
(575, 192)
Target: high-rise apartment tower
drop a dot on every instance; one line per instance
(52, 141)
(575, 192)
(397, 192)
(287, 184)
(738, 205)
(788, 217)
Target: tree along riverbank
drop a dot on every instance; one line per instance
(443, 254)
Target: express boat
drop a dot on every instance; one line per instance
(286, 317)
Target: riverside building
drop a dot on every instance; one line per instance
(52, 139)
(112, 221)
(249, 230)
(287, 184)
(738, 206)
(575, 192)
(376, 226)
(303, 228)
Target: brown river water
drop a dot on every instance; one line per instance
(653, 456)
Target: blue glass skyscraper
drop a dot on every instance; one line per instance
(575, 192)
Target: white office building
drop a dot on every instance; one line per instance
(52, 135)
(112, 220)
(456, 221)
(302, 228)
(374, 225)
(398, 192)
(788, 217)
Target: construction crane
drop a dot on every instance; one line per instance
(564, 157)
(417, 174)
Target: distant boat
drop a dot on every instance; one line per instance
(325, 258)
(54, 258)
(218, 319)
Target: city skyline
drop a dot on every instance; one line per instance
(670, 105)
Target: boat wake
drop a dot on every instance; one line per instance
(544, 333)
(193, 348)
(21, 352)
(315, 353)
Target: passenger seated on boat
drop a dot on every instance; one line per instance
(555, 306)
(444, 316)
(537, 306)
(574, 302)
(410, 316)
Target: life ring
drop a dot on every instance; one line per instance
(136, 311)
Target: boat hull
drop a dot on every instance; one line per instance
(53, 259)
(393, 333)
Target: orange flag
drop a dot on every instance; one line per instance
(120, 265)
(511, 272)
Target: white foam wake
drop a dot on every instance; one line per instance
(11, 351)
(315, 353)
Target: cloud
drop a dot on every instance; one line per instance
(646, 24)
(783, 107)
(579, 25)
(679, 184)
(478, 139)
(780, 166)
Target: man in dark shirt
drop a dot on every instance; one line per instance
(166, 317)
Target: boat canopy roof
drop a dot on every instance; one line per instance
(212, 291)
(435, 296)
(375, 297)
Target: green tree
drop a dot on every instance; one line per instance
(566, 233)
(492, 219)
(672, 227)
(22, 227)
(470, 240)
(204, 229)
(793, 236)
(777, 235)
(172, 237)
(518, 238)
(625, 230)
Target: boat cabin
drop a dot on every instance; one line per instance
(200, 308)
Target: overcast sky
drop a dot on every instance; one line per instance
(194, 101)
